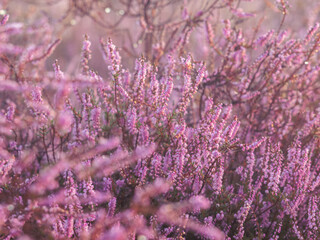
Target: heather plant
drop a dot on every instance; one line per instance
(217, 140)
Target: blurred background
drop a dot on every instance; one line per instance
(150, 28)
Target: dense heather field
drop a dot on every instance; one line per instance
(175, 119)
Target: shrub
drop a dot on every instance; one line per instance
(217, 140)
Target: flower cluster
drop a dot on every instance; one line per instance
(217, 140)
